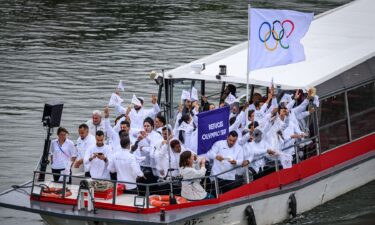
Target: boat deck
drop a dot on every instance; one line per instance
(121, 199)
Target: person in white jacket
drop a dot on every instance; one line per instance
(96, 123)
(169, 158)
(84, 142)
(137, 114)
(226, 154)
(96, 158)
(63, 154)
(146, 151)
(192, 189)
(126, 166)
(254, 153)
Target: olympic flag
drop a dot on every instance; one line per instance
(275, 37)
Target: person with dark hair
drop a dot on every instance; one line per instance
(229, 89)
(159, 122)
(261, 107)
(185, 130)
(226, 154)
(192, 189)
(96, 158)
(115, 135)
(63, 154)
(166, 133)
(84, 142)
(137, 114)
(126, 166)
(169, 160)
(206, 106)
(146, 151)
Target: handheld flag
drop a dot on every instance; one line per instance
(136, 101)
(115, 100)
(194, 94)
(275, 37)
(120, 85)
(230, 99)
(185, 95)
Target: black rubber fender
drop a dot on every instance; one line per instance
(292, 205)
(249, 213)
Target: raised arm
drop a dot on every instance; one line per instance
(155, 108)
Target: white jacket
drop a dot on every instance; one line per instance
(192, 190)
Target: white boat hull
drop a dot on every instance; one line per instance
(274, 208)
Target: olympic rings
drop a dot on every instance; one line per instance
(277, 36)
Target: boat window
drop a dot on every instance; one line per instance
(361, 102)
(333, 122)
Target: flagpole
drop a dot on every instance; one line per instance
(248, 51)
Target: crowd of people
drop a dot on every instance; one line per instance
(142, 147)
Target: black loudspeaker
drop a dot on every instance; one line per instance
(52, 114)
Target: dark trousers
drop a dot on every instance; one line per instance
(113, 176)
(57, 177)
(132, 191)
(227, 185)
(150, 179)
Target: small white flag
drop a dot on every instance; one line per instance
(286, 160)
(230, 99)
(115, 100)
(194, 94)
(185, 95)
(241, 99)
(120, 85)
(316, 100)
(286, 98)
(136, 101)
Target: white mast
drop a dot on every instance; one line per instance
(248, 52)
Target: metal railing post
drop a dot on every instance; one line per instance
(247, 177)
(217, 190)
(276, 163)
(32, 186)
(317, 145)
(114, 192)
(147, 196)
(297, 153)
(64, 186)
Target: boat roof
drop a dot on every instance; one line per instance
(336, 41)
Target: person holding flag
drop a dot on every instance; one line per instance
(137, 114)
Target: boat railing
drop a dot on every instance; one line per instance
(147, 187)
(312, 143)
(213, 179)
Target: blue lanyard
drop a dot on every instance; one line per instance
(60, 147)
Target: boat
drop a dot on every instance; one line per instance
(340, 64)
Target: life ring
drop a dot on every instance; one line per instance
(163, 200)
(53, 192)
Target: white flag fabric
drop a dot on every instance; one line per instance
(115, 100)
(316, 100)
(286, 160)
(185, 95)
(194, 94)
(120, 85)
(275, 37)
(230, 99)
(136, 101)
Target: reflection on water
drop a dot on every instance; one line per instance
(77, 51)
